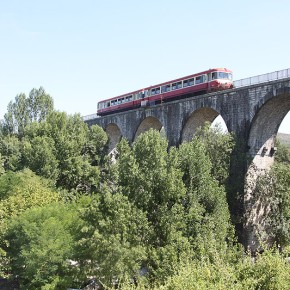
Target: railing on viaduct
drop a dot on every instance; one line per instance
(273, 76)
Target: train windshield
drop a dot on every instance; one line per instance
(101, 105)
(221, 75)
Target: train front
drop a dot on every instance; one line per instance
(220, 79)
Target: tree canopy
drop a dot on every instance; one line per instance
(25, 110)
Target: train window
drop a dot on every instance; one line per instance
(174, 86)
(185, 83)
(221, 75)
(224, 75)
(155, 91)
(128, 98)
(199, 79)
(214, 76)
(165, 89)
(191, 82)
(179, 85)
(108, 104)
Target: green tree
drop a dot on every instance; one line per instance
(269, 271)
(273, 191)
(219, 146)
(64, 149)
(184, 203)
(39, 155)
(77, 150)
(40, 246)
(111, 242)
(283, 153)
(206, 210)
(10, 150)
(149, 176)
(40, 104)
(22, 190)
(95, 145)
(271, 195)
(19, 192)
(25, 110)
(151, 179)
(2, 170)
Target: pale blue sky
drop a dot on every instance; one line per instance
(84, 51)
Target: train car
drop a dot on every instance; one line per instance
(195, 84)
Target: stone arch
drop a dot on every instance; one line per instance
(264, 128)
(195, 120)
(261, 144)
(114, 134)
(148, 123)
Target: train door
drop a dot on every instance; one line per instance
(209, 78)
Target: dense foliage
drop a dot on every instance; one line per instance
(154, 218)
(273, 190)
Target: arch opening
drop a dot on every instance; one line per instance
(264, 129)
(149, 123)
(114, 133)
(220, 122)
(197, 119)
(283, 135)
(285, 125)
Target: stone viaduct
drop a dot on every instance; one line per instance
(253, 112)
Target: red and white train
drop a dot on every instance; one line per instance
(200, 83)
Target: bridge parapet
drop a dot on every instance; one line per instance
(90, 117)
(264, 78)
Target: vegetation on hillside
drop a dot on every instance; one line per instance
(284, 139)
(157, 218)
